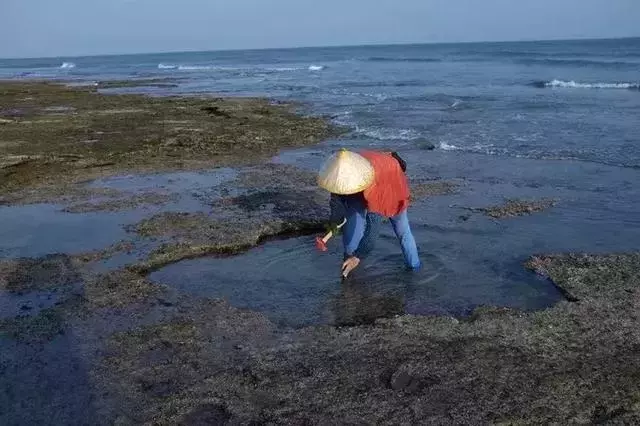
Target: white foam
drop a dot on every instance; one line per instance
(476, 148)
(196, 67)
(576, 85)
(388, 134)
(187, 67)
(83, 84)
(343, 118)
(67, 65)
(448, 147)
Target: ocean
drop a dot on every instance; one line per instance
(558, 100)
(557, 119)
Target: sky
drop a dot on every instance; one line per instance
(37, 28)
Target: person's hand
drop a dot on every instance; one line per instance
(349, 265)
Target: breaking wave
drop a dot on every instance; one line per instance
(449, 147)
(476, 148)
(383, 134)
(67, 65)
(186, 67)
(577, 85)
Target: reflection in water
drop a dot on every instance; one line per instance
(382, 288)
(358, 304)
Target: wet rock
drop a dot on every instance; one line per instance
(165, 303)
(106, 253)
(424, 189)
(45, 326)
(215, 111)
(9, 161)
(50, 272)
(127, 135)
(276, 176)
(197, 235)
(275, 202)
(206, 415)
(118, 289)
(401, 380)
(590, 276)
(426, 145)
(575, 362)
(149, 82)
(516, 207)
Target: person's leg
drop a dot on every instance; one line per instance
(371, 233)
(402, 229)
(354, 229)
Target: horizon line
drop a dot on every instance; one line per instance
(336, 46)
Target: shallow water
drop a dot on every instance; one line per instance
(28, 304)
(177, 182)
(295, 285)
(523, 120)
(557, 99)
(39, 229)
(470, 259)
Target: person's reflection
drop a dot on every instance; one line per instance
(361, 301)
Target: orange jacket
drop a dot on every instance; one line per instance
(389, 193)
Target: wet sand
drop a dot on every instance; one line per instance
(87, 288)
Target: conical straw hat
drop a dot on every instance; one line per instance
(346, 172)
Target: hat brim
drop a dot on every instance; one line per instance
(346, 173)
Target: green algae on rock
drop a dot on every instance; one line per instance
(198, 234)
(515, 207)
(118, 289)
(432, 188)
(519, 208)
(29, 274)
(273, 202)
(99, 135)
(42, 327)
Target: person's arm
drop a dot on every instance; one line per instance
(356, 223)
(337, 213)
(353, 232)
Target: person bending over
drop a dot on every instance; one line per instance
(366, 188)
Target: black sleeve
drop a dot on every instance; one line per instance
(338, 212)
(403, 164)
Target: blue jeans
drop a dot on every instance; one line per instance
(361, 231)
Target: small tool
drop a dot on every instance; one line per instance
(321, 243)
